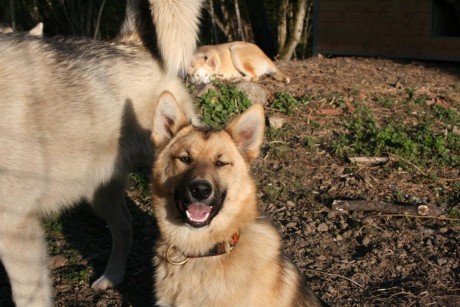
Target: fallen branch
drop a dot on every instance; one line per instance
(442, 218)
(383, 207)
(368, 160)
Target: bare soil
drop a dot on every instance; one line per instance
(349, 258)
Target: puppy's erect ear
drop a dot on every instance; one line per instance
(167, 120)
(247, 131)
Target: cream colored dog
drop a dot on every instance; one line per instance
(76, 118)
(232, 61)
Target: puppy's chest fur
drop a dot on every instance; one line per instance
(239, 278)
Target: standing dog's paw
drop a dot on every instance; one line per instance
(103, 283)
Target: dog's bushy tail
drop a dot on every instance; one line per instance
(176, 23)
(173, 34)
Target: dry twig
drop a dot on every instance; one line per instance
(442, 218)
(368, 160)
(410, 163)
(383, 207)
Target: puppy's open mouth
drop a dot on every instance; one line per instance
(199, 202)
(196, 214)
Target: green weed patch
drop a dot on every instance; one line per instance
(285, 103)
(425, 144)
(221, 103)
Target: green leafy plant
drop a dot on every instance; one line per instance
(419, 143)
(384, 101)
(221, 103)
(285, 103)
(447, 115)
(77, 273)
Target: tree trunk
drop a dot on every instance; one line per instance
(282, 25)
(212, 14)
(222, 24)
(296, 32)
(98, 23)
(238, 19)
(307, 31)
(13, 15)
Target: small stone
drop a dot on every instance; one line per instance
(347, 234)
(322, 258)
(323, 227)
(331, 215)
(339, 238)
(290, 204)
(441, 261)
(339, 171)
(102, 303)
(291, 225)
(255, 92)
(368, 220)
(443, 229)
(366, 240)
(310, 229)
(456, 130)
(56, 262)
(276, 122)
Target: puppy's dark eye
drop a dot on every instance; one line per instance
(221, 163)
(185, 159)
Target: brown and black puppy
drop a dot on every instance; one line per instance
(214, 248)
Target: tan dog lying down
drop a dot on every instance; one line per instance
(235, 60)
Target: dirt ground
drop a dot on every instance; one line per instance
(349, 258)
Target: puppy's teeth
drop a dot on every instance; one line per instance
(196, 220)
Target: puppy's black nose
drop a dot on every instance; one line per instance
(200, 189)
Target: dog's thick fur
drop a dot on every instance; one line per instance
(232, 61)
(203, 194)
(76, 116)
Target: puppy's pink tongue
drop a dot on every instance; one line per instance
(198, 212)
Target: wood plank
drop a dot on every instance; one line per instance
(393, 28)
(363, 42)
(386, 39)
(375, 17)
(406, 29)
(434, 49)
(368, 38)
(374, 5)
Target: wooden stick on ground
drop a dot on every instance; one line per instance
(383, 207)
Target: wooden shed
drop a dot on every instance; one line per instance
(415, 29)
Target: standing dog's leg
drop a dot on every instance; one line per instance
(23, 253)
(109, 202)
